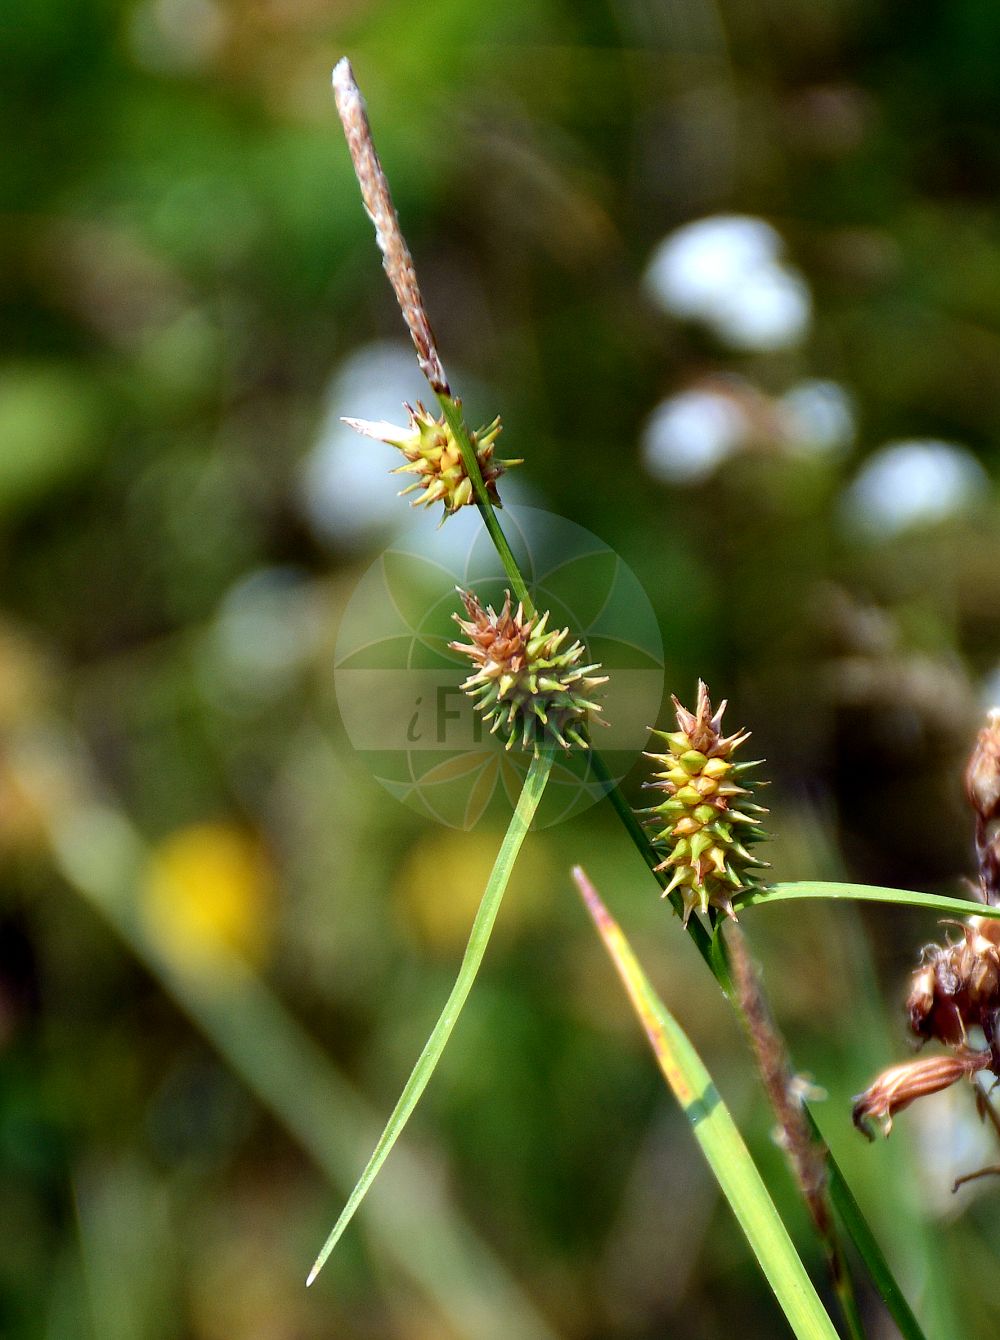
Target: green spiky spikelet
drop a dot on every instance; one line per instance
(433, 455)
(524, 684)
(707, 824)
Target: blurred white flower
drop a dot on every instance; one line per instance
(269, 624)
(819, 415)
(728, 271)
(952, 1141)
(989, 692)
(691, 433)
(770, 309)
(906, 484)
(177, 36)
(695, 266)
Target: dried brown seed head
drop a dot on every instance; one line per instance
(957, 987)
(396, 258)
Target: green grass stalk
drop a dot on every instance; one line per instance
(479, 937)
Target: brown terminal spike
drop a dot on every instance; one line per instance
(396, 258)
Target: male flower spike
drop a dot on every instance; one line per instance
(523, 683)
(707, 823)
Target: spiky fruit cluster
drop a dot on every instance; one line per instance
(523, 683)
(707, 823)
(433, 455)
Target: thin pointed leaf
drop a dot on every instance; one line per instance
(482, 927)
(716, 1133)
(868, 893)
(857, 1229)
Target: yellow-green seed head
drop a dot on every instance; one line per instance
(523, 683)
(434, 457)
(707, 823)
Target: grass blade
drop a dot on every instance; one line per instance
(805, 1151)
(856, 1227)
(482, 927)
(716, 1133)
(868, 893)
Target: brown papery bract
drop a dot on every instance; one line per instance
(901, 1085)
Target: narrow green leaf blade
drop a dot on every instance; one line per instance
(857, 1229)
(716, 1133)
(482, 927)
(868, 893)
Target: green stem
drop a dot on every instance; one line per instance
(843, 1285)
(856, 1227)
(453, 414)
(482, 928)
(635, 830)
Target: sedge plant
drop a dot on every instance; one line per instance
(700, 839)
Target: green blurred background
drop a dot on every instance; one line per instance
(731, 273)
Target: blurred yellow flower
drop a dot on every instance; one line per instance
(441, 881)
(207, 887)
(22, 823)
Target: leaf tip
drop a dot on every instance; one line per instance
(591, 897)
(324, 1255)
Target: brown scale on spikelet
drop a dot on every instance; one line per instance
(957, 986)
(433, 455)
(901, 1085)
(707, 822)
(523, 683)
